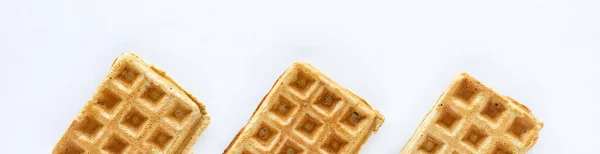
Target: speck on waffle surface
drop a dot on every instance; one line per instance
(306, 112)
(136, 109)
(472, 118)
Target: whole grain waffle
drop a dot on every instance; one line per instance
(472, 118)
(306, 112)
(136, 109)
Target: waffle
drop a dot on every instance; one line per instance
(472, 118)
(136, 109)
(306, 112)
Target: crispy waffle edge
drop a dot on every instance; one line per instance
(464, 75)
(300, 64)
(192, 137)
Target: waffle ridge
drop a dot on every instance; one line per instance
(136, 109)
(472, 118)
(306, 112)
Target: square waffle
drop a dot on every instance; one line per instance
(472, 118)
(136, 109)
(306, 112)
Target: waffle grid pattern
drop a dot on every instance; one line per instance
(474, 119)
(308, 115)
(133, 112)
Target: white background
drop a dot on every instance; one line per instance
(399, 55)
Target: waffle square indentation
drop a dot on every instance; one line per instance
(474, 137)
(430, 145)
(89, 126)
(128, 75)
(153, 94)
(302, 82)
(502, 149)
(308, 126)
(494, 108)
(334, 144)
(448, 118)
(115, 144)
(180, 112)
(134, 119)
(290, 148)
(352, 118)
(519, 127)
(327, 100)
(160, 138)
(71, 148)
(283, 107)
(466, 90)
(265, 134)
(107, 100)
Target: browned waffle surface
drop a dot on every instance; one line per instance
(472, 118)
(306, 112)
(136, 109)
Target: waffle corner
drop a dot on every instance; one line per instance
(136, 109)
(306, 112)
(472, 118)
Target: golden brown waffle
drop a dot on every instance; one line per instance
(306, 112)
(136, 109)
(472, 118)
